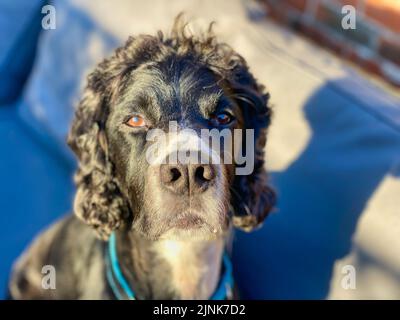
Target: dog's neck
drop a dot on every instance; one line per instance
(170, 269)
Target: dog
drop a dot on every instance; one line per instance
(160, 230)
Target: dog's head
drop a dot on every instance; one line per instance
(141, 121)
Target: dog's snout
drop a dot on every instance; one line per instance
(191, 178)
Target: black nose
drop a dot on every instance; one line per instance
(191, 178)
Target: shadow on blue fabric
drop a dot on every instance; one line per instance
(321, 196)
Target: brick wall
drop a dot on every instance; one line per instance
(374, 44)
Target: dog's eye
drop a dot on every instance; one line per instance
(222, 118)
(136, 121)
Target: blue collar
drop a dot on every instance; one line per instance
(123, 291)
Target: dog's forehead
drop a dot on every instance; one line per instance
(175, 86)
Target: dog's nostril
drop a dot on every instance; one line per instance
(172, 174)
(204, 173)
(175, 174)
(198, 174)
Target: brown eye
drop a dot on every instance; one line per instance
(222, 118)
(136, 121)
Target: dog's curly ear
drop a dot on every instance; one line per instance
(252, 197)
(98, 200)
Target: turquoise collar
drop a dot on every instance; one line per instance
(123, 291)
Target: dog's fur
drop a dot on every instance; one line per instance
(169, 243)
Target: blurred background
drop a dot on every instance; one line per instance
(333, 149)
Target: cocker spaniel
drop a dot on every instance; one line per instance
(161, 226)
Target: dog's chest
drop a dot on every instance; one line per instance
(194, 266)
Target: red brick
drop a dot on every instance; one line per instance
(371, 66)
(390, 50)
(298, 4)
(352, 55)
(354, 3)
(366, 33)
(277, 11)
(385, 12)
(322, 38)
(281, 7)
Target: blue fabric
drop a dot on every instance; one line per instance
(19, 31)
(36, 188)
